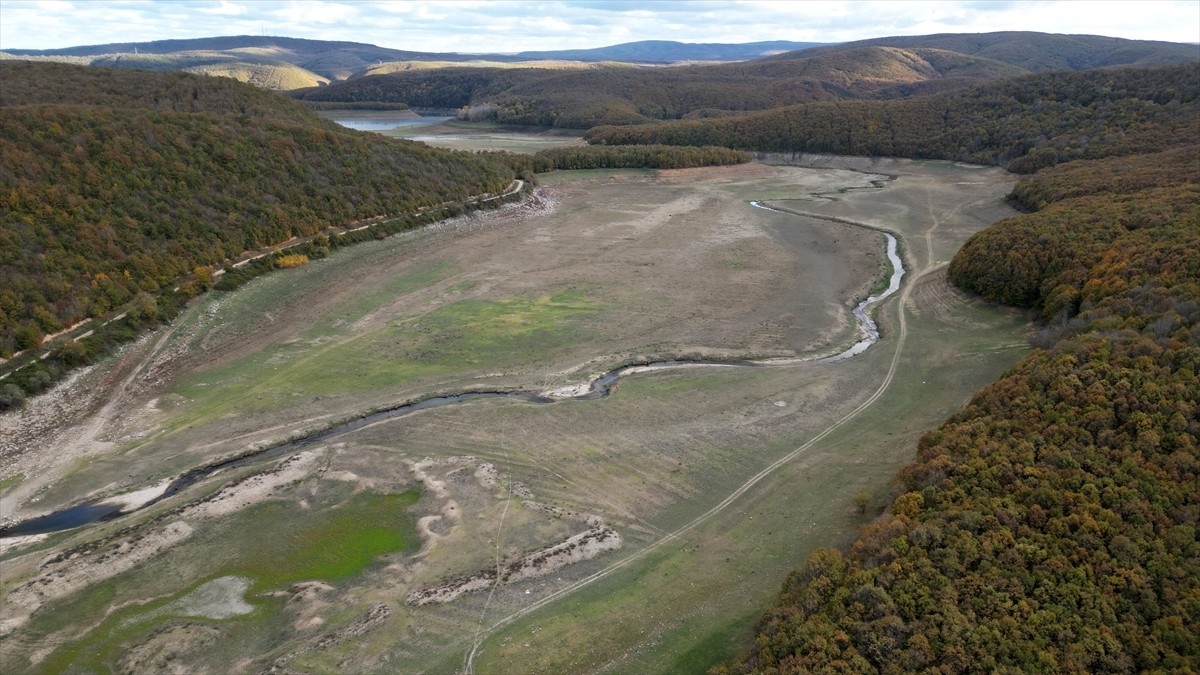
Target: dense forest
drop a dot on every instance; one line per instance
(145, 176)
(1024, 123)
(1052, 524)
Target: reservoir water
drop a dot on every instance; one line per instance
(386, 124)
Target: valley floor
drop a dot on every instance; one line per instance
(640, 532)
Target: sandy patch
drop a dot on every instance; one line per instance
(10, 543)
(73, 570)
(253, 489)
(219, 598)
(131, 501)
(569, 391)
(576, 548)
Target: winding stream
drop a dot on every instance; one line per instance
(108, 509)
(866, 324)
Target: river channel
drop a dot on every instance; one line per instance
(97, 511)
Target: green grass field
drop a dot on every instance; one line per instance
(269, 546)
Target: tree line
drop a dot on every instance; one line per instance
(628, 157)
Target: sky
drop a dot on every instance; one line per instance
(521, 25)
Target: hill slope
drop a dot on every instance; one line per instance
(1024, 123)
(1052, 524)
(119, 182)
(333, 60)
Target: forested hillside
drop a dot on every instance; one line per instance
(875, 69)
(31, 84)
(624, 95)
(120, 182)
(1024, 123)
(1052, 524)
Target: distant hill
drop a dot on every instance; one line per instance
(332, 60)
(388, 67)
(624, 95)
(1039, 52)
(885, 68)
(285, 63)
(940, 62)
(667, 51)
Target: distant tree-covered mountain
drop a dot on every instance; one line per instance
(283, 63)
(887, 68)
(115, 183)
(668, 51)
(293, 63)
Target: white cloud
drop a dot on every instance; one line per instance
(432, 25)
(225, 8)
(548, 23)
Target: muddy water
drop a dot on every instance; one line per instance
(597, 388)
(386, 124)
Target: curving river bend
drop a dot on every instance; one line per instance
(92, 512)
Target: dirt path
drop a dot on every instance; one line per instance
(85, 437)
(901, 338)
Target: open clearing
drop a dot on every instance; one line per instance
(497, 535)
